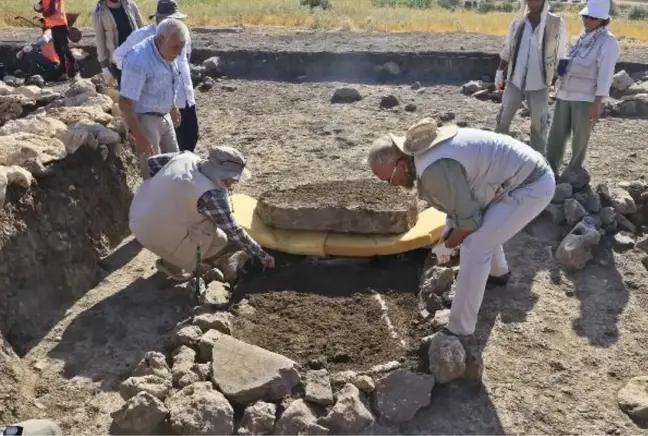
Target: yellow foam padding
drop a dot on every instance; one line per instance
(427, 231)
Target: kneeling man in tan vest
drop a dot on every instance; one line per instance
(184, 206)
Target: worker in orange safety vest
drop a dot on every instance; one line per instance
(54, 18)
(39, 57)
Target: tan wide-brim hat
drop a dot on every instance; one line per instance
(422, 136)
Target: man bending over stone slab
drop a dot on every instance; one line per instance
(184, 206)
(489, 185)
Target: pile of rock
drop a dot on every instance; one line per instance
(587, 215)
(483, 90)
(205, 76)
(39, 125)
(213, 383)
(629, 95)
(18, 79)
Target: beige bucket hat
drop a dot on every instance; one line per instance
(224, 163)
(422, 136)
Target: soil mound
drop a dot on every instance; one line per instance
(346, 206)
(53, 235)
(331, 311)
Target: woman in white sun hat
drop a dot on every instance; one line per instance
(584, 81)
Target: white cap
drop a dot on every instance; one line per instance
(597, 8)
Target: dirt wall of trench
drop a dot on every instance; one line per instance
(428, 68)
(53, 236)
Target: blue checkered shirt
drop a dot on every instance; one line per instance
(149, 80)
(215, 204)
(185, 97)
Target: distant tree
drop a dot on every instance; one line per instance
(638, 13)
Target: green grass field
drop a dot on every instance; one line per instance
(378, 15)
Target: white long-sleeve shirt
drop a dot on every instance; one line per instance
(529, 63)
(603, 59)
(185, 96)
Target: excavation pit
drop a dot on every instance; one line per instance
(365, 206)
(348, 314)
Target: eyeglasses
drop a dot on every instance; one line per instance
(588, 17)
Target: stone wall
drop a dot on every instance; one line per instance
(65, 189)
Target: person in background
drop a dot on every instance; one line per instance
(54, 18)
(113, 22)
(39, 57)
(187, 133)
(148, 90)
(535, 43)
(585, 78)
(184, 207)
(41, 427)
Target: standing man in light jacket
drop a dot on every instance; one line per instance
(187, 132)
(489, 185)
(535, 43)
(113, 21)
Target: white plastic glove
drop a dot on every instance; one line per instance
(443, 253)
(499, 79)
(107, 75)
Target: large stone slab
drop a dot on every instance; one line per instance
(246, 373)
(345, 206)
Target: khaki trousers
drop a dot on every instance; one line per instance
(538, 103)
(160, 132)
(570, 117)
(482, 252)
(205, 235)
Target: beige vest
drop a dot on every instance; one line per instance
(549, 48)
(495, 164)
(581, 79)
(164, 210)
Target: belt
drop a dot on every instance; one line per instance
(155, 114)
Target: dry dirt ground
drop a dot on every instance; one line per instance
(557, 346)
